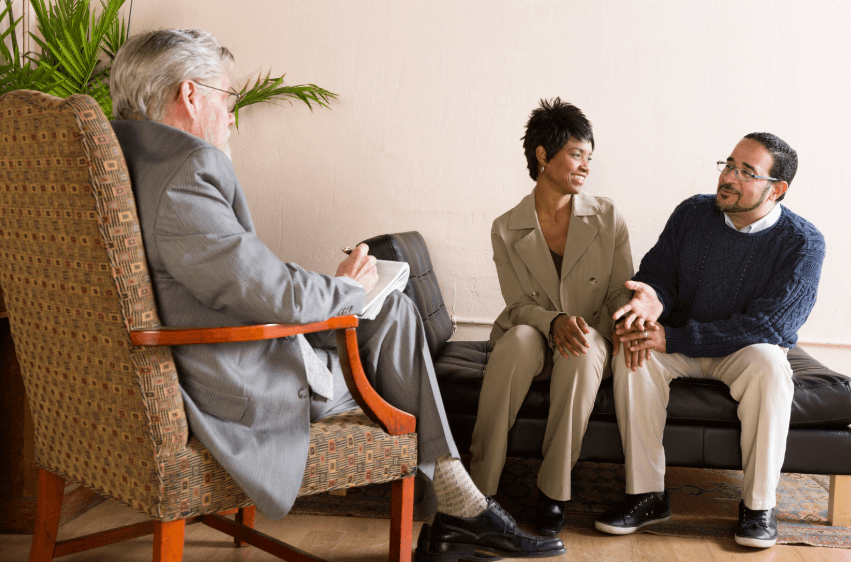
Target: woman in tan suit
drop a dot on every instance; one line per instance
(562, 257)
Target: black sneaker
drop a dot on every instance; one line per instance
(636, 511)
(756, 527)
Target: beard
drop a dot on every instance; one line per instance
(735, 207)
(221, 144)
(225, 147)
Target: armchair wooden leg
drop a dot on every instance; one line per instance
(168, 540)
(245, 516)
(401, 520)
(48, 508)
(839, 504)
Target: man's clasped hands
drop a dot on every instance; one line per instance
(636, 328)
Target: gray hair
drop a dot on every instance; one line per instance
(149, 68)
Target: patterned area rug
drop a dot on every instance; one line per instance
(704, 502)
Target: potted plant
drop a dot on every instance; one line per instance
(77, 46)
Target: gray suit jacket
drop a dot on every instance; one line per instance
(248, 403)
(597, 263)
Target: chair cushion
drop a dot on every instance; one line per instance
(349, 449)
(423, 287)
(822, 397)
(346, 450)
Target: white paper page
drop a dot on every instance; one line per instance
(392, 276)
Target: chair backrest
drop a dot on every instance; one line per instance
(423, 287)
(75, 280)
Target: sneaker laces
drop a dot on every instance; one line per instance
(755, 517)
(639, 503)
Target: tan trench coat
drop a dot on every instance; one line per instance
(597, 263)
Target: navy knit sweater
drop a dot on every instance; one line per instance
(723, 290)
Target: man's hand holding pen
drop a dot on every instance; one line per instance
(359, 266)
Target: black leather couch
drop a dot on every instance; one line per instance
(702, 429)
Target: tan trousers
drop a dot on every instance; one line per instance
(760, 380)
(518, 357)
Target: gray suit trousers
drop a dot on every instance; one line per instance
(397, 362)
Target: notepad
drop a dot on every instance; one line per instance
(392, 276)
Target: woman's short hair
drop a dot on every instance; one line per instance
(149, 68)
(551, 125)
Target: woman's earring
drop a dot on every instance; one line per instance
(542, 168)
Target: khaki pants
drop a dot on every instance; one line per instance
(760, 380)
(519, 357)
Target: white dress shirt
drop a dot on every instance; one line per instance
(319, 378)
(765, 222)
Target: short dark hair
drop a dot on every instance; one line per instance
(551, 125)
(785, 159)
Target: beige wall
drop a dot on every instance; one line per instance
(434, 96)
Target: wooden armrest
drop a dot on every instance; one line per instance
(392, 420)
(190, 336)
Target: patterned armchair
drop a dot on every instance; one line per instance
(98, 371)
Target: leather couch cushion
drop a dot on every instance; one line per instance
(822, 397)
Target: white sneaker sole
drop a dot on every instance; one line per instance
(627, 530)
(756, 543)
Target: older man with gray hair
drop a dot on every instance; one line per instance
(251, 404)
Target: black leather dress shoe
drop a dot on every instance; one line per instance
(636, 511)
(491, 535)
(549, 515)
(756, 527)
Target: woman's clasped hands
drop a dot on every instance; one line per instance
(569, 335)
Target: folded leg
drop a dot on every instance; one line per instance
(397, 362)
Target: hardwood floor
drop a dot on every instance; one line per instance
(365, 540)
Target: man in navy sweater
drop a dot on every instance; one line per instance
(731, 279)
